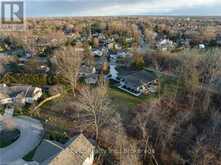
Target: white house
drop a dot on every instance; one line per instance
(20, 94)
(33, 94)
(97, 52)
(165, 45)
(202, 46)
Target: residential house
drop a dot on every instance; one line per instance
(68, 29)
(183, 42)
(110, 45)
(91, 79)
(28, 55)
(86, 70)
(119, 54)
(21, 94)
(43, 65)
(101, 36)
(46, 150)
(202, 46)
(79, 151)
(117, 46)
(165, 45)
(129, 39)
(97, 52)
(22, 60)
(88, 74)
(140, 83)
(44, 69)
(96, 34)
(110, 40)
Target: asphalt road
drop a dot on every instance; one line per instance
(31, 134)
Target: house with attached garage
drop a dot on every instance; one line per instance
(139, 83)
(20, 94)
(78, 151)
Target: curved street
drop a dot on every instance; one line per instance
(31, 134)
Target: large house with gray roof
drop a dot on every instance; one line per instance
(139, 83)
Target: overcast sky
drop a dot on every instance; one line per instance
(122, 7)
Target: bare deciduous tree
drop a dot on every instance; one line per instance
(69, 62)
(142, 123)
(204, 154)
(96, 102)
(130, 155)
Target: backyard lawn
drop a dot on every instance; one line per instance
(120, 97)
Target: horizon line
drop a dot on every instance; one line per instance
(157, 15)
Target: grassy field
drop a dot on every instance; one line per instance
(122, 98)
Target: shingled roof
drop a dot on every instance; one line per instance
(75, 153)
(136, 79)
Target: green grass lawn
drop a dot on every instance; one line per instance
(125, 103)
(168, 83)
(122, 98)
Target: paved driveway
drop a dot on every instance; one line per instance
(31, 134)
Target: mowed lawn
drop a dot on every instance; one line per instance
(121, 98)
(125, 104)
